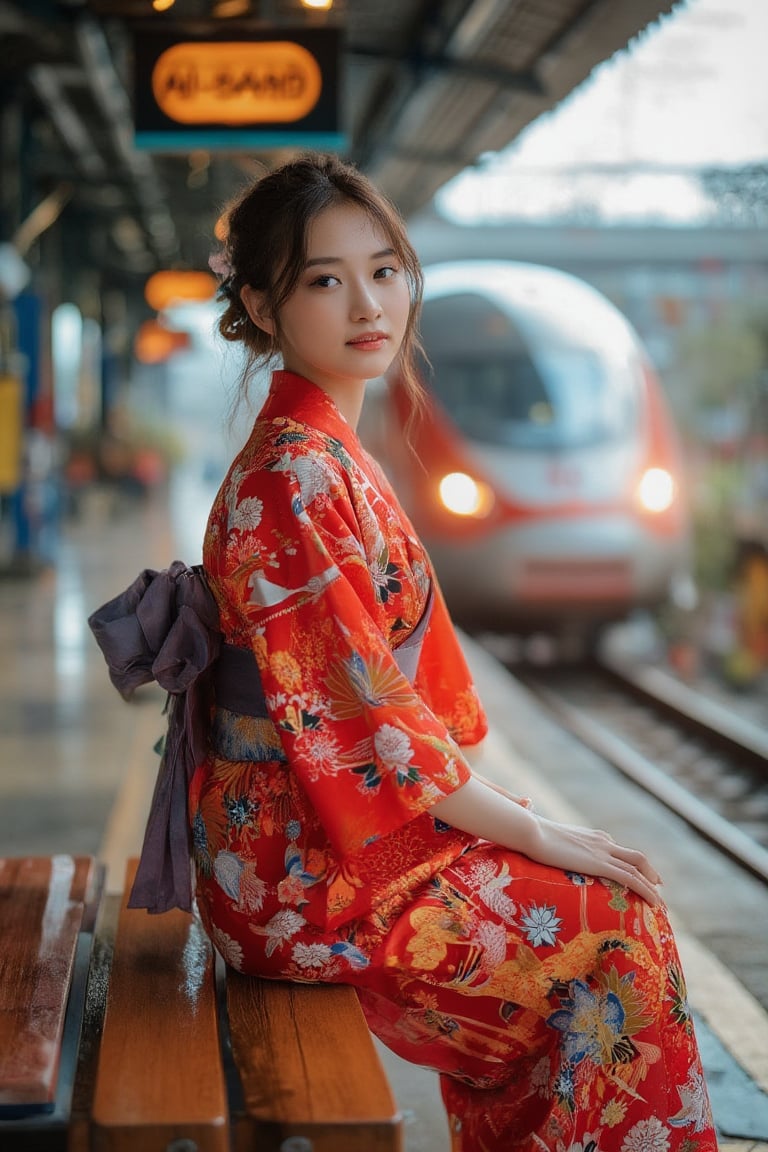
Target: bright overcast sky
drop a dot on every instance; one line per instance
(691, 92)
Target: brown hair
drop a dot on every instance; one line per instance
(265, 242)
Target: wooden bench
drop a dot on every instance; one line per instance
(121, 1031)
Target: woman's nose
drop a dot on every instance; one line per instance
(365, 303)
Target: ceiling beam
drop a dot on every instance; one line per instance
(110, 95)
(47, 84)
(421, 63)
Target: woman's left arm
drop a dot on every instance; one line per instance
(474, 754)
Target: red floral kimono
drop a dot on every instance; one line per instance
(552, 1004)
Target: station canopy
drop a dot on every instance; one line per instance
(427, 88)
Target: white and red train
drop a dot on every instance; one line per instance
(545, 476)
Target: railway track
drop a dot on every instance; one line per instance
(703, 762)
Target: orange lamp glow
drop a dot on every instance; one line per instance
(170, 287)
(154, 344)
(224, 9)
(461, 494)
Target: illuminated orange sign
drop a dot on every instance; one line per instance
(169, 287)
(273, 81)
(154, 344)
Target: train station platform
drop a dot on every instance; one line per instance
(78, 770)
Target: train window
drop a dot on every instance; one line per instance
(536, 388)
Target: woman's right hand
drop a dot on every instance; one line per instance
(593, 852)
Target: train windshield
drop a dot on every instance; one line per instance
(536, 385)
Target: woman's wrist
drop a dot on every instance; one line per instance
(479, 810)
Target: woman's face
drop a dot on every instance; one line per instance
(344, 322)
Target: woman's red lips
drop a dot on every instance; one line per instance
(368, 340)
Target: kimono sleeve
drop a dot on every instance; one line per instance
(367, 750)
(444, 680)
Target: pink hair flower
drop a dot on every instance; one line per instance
(219, 263)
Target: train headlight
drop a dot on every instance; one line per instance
(656, 490)
(465, 496)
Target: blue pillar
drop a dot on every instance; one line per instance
(34, 503)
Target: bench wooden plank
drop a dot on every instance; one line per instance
(159, 1076)
(100, 963)
(288, 1042)
(42, 906)
(298, 1060)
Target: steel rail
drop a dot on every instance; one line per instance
(714, 720)
(695, 812)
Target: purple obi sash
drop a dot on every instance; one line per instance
(165, 627)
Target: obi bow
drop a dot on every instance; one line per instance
(165, 627)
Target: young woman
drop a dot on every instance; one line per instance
(339, 832)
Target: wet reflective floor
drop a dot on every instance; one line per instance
(67, 739)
